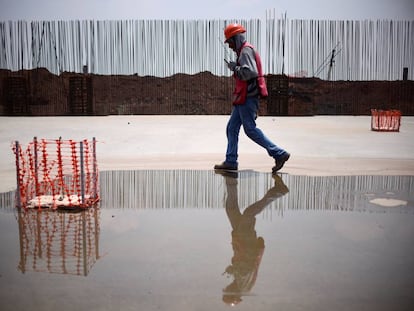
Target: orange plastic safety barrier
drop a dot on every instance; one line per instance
(56, 173)
(385, 120)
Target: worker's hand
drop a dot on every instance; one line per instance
(232, 65)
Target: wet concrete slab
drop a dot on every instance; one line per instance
(319, 145)
(198, 240)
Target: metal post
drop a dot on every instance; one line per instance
(18, 197)
(82, 172)
(94, 177)
(36, 168)
(405, 73)
(60, 177)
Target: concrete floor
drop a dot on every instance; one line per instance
(320, 145)
(166, 236)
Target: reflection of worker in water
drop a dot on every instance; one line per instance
(248, 248)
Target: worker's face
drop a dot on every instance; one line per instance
(231, 44)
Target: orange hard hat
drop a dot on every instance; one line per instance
(233, 29)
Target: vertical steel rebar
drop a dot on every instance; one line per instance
(372, 50)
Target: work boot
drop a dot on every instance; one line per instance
(225, 166)
(280, 162)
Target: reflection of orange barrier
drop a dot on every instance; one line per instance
(59, 242)
(56, 173)
(385, 120)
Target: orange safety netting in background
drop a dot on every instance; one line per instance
(56, 173)
(385, 120)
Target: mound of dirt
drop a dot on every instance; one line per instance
(39, 92)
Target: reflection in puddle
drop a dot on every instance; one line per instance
(204, 189)
(197, 240)
(388, 202)
(58, 242)
(247, 247)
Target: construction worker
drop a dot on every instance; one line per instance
(250, 85)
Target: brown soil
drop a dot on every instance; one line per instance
(38, 92)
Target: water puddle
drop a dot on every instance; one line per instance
(388, 202)
(197, 240)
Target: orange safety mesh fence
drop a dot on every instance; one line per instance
(56, 174)
(385, 120)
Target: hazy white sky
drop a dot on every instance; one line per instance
(206, 9)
